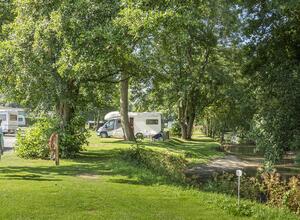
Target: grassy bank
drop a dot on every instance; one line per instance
(99, 184)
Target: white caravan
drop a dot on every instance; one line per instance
(9, 120)
(143, 123)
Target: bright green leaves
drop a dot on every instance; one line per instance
(273, 69)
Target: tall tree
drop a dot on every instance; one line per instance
(273, 39)
(127, 129)
(185, 40)
(56, 49)
(54, 52)
(124, 51)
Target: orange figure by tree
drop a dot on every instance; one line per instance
(53, 148)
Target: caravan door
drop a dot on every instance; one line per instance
(109, 126)
(118, 131)
(4, 121)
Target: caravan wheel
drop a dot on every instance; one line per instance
(139, 136)
(103, 135)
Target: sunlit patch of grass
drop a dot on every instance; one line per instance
(98, 184)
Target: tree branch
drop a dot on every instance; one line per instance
(99, 80)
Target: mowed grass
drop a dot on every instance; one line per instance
(200, 149)
(100, 185)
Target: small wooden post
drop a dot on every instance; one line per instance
(56, 151)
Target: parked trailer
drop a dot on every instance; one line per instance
(143, 123)
(9, 120)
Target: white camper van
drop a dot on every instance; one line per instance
(143, 123)
(9, 120)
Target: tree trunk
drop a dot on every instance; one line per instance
(222, 136)
(183, 131)
(187, 117)
(64, 107)
(65, 112)
(190, 125)
(182, 122)
(191, 117)
(128, 132)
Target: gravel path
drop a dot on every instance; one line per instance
(229, 163)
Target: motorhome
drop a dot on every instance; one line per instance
(146, 124)
(12, 118)
(9, 120)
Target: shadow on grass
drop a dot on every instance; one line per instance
(201, 147)
(190, 149)
(29, 177)
(108, 162)
(101, 162)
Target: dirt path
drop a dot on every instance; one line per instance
(229, 163)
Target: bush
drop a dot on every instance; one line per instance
(33, 142)
(175, 129)
(244, 209)
(161, 163)
(73, 137)
(267, 187)
(281, 193)
(227, 183)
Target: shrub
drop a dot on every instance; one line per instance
(175, 129)
(162, 163)
(227, 183)
(281, 193)
(267, 187)
(244, 209)
(73, 137)
(33, 143)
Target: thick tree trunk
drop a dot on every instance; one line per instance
(182, 121)
(184, 131)
(187, 117)
(64, 107)
(190, 125)
(128, 132)
(65, 112)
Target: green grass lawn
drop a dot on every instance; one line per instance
(100, 185)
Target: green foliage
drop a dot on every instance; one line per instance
(244, 209)
(267, 187)
(114, 188)
(33, 142)
(73, 137)
(180, 44)
(273, 62)
(175, 129)
(160, 162)
(55, 55)
(227, 183)
(281, 193)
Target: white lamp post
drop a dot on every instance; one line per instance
(239, 173)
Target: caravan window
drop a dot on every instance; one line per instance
(118, 123)
(151, 121)
(13, 117)
(110, 125)
(3, 117)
